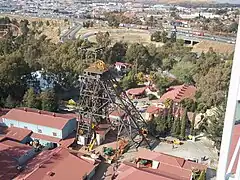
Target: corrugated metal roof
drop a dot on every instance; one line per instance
(57, 164)
(43, 118)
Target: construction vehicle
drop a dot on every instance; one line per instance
(98, 66)
(94, 138)
(177, 142)
(111, 154)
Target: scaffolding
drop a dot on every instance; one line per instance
(100, 95)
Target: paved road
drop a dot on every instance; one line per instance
(185, 36)
(71, 33)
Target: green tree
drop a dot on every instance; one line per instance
(113, 20)
(164, 37)
(163, 83)
(40, 24)
(184, 71)
(159, 36)
(10, 102)
(151, 21)
(161, 124)
(188, 103)
(202, 176)
(233, 27)
(170, 119)
(103, 39)
(24, 26)
(117, 52)
(215, 126)
(183, 124)
(138, 55)
(47, 23)
(156, 36)
(213, 86)
(31, 100)
(167, 63)
(129, 81)
(192, 130)
(177, 126)
(173, 37)
(49, 101)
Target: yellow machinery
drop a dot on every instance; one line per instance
(99, 65)
(93, 141)
(144, 132)
(94, 137)
(177, 142)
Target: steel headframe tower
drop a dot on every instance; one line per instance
(224, 171)
(100, 95)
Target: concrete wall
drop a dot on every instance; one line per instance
(69, 128)
(45, 130)
(45, 143)
(91, 174)
(29, 155)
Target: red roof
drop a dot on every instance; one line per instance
(103, 128)
(171, 160)
(14, 149)
(4, 111)
(178, 93)
(153, 109)
(17, 133)
(45, 137)
(136, 91)
(117, 113)
(235, 137)
(129, 171)
(169, 168)
(68, 140)
(122, 64)
(8, 166)
(42, 118)
(57, 164)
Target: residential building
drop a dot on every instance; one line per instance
(178, 93)
(59, 164)
(152, 111)
(120, 66)
(136, 92)
(48, 128)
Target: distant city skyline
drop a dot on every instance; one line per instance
(229, 1)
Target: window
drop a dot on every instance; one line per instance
(39, 130)
(25, 127)
(11, 125)
(54, 134)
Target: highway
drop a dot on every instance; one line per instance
(188, 35)
(71, 33)
(182, 33)
(185, 36)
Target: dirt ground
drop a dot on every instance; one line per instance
(122, 34)
(51, 31)
(192, 150)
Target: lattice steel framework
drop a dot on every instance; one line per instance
(100, 95)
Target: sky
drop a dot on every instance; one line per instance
(229, 1)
